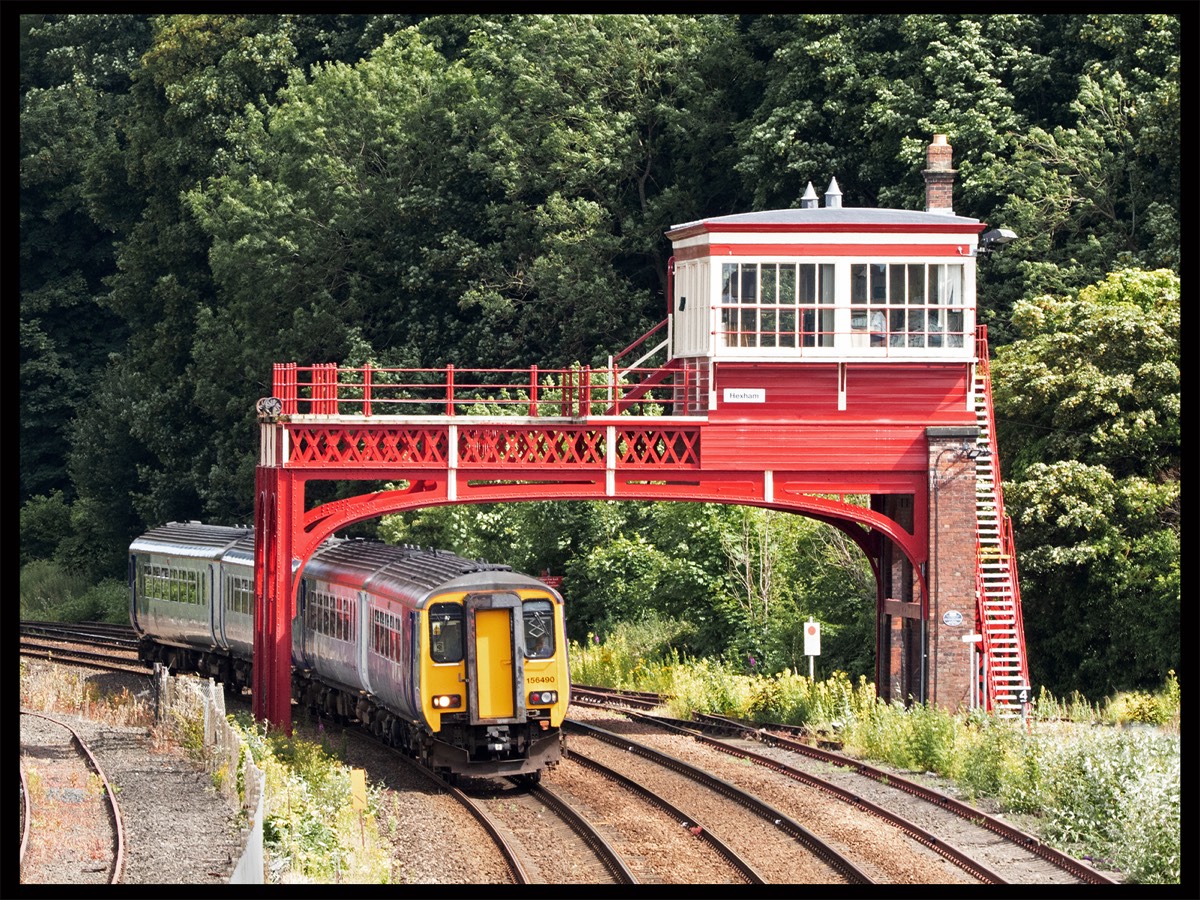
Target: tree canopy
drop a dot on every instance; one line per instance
(206, 194)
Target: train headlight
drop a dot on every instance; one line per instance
(536, 697)
(447, 701)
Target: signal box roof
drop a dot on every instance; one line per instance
(827, 219)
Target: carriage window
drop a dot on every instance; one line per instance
(446, 632)
(539, 628)
(239, 595)
(385, 636)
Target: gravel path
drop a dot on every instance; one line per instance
(178, 828)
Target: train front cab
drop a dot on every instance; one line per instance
(494, 680)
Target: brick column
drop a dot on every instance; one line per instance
(952, 565)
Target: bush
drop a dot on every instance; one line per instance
(311, 831)
(47, 590)
(631, 654)
(51, 593)
(44, 522)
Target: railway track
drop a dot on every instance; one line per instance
(985, 847)
(757, 838)
(102, 634)
(96, 645)
(69, 810)
(614, 774)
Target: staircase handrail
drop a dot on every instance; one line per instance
(614, 362)
(1007, 548)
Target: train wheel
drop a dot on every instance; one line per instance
(532, 779)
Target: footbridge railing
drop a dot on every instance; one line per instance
(578, 392)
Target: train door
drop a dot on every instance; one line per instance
(365, 627)
(135, 595)
(495, 658)
(213, 593)
(221, 587)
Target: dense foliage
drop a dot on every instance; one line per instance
(203, 195)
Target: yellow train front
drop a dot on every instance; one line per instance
(462, 662)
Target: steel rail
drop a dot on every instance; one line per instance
(991, 823)
(917, 833)
(507, 853)
(738, 864)
(114, 810)
(55, 653)
(764, 734)
(103, 635)
(608, 856)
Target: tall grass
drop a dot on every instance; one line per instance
(311, 831)
(1101, 780)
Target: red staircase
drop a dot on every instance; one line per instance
(1004, 668)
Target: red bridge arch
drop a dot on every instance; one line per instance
(808, 355)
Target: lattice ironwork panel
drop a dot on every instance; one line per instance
(532, 445)
(345, 446)
(659, 447)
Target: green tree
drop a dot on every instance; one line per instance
(1065, 129)
(75, 73)
(1087, 406)
(1095, 182)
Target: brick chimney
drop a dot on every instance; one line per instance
(939, 176)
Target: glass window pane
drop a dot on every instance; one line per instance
(878, 283)
(538, 616)
(951, 285)
(728, 282)
(896, 327)
(787, 328)
(808, 283)
(767, 327)
(879, 327)
(954, 328)
(858, 285)
(728, 324)
(897, 284)
(749, 328)
(787, 283)
(916, 328)
(749, 283)
(446, 632)
(825, 318)
(916, 284)
(769, 294)
(826, 294)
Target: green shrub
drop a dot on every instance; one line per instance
(51, 593)
(1148, 818)
(1161, 708)
(1075, 708)
(47, 590)
(311, 832)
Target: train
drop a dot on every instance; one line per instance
(461, 663)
